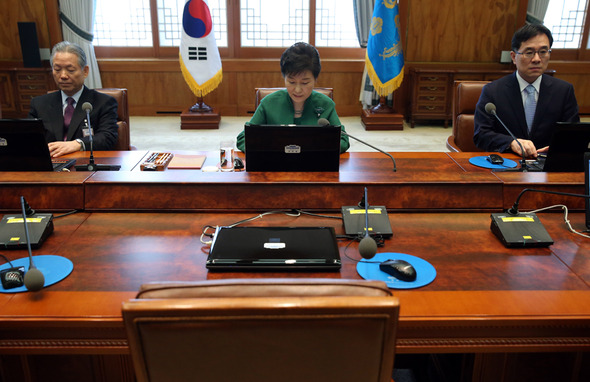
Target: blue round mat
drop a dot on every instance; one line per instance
(482, 161)
(54, 269)
(369, 270)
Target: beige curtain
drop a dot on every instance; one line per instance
(77, 20)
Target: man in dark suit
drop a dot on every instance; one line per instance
(66, 129)
(530, 112)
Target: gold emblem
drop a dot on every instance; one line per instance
(389, 3)
(394, 51)
(376, 25)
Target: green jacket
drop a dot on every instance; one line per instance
(277, 109)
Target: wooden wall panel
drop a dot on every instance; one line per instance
(14, 11)
(444, 34)
(459, 30)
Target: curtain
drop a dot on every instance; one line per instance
(363, 14)
(77, 20)
(535, 11)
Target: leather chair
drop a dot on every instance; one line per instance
(263, 330)
(120, 94)
(465, 97)
(263, 92)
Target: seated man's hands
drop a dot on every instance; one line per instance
(57, 149)
(530, 151)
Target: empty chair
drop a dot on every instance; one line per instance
(263, 330)
(465, 97)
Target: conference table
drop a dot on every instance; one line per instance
(494, 304)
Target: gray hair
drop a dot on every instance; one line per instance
(69, 47)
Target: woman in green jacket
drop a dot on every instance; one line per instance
(298, 104)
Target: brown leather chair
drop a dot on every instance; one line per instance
(120, 94)
(465, 97)
(263, 92)
(263, 330)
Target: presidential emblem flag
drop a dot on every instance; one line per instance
(385, 58)
(199, 57)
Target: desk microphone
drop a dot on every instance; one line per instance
(367, 245)
(523, 229)
(91, 166)
(324, 122)
(514, 209)
(491, 109)
(34, 279)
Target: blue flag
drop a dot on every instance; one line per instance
(385, 57)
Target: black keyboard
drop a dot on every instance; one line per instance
(61, 164)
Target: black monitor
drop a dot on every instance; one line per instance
(569, 143)
(23, 146)
(292, 148)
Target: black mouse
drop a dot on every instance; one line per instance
(400, 269)
(238, 164)
(495, 159)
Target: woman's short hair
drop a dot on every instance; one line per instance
(300, 57)
(69, 47)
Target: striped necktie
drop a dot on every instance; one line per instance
(530, 105)
(68, 113)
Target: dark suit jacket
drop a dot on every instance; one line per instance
(103, 118)
(557, 103)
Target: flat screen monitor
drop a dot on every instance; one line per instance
(23, 147)
(566, 152)
(292, 148)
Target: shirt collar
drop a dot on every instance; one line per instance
(523, 84)
(76, 96)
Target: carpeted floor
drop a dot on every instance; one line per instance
(164, 133)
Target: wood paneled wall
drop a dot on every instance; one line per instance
(437, 34)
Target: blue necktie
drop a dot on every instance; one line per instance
(530, 105)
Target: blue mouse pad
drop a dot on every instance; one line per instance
(482, 161)
(369, 270)
(54, 269)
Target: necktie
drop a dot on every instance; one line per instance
(530, 105)
(68, 113)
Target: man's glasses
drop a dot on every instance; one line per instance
(529, 53)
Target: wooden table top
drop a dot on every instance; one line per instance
(424, 181)
(485, 296)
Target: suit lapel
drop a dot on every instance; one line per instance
(79, 116)
(544, 101)
(517, 124)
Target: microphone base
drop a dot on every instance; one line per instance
(521, 230)
(97, 167)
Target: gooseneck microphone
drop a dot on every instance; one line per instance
(91, 166)
(491, 109)
(325, 122)
(367, 245)
(514, 209)
(34, 279)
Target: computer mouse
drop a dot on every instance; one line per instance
(400, 269)
(495, 159)
(238, 163)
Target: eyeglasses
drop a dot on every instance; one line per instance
(529, 54)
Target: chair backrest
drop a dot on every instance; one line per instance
(465, 97)
(120, 94)
(263, 92)
(263, 330)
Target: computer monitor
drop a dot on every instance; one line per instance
(292, 148)
(566, 152)
(23, 147)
